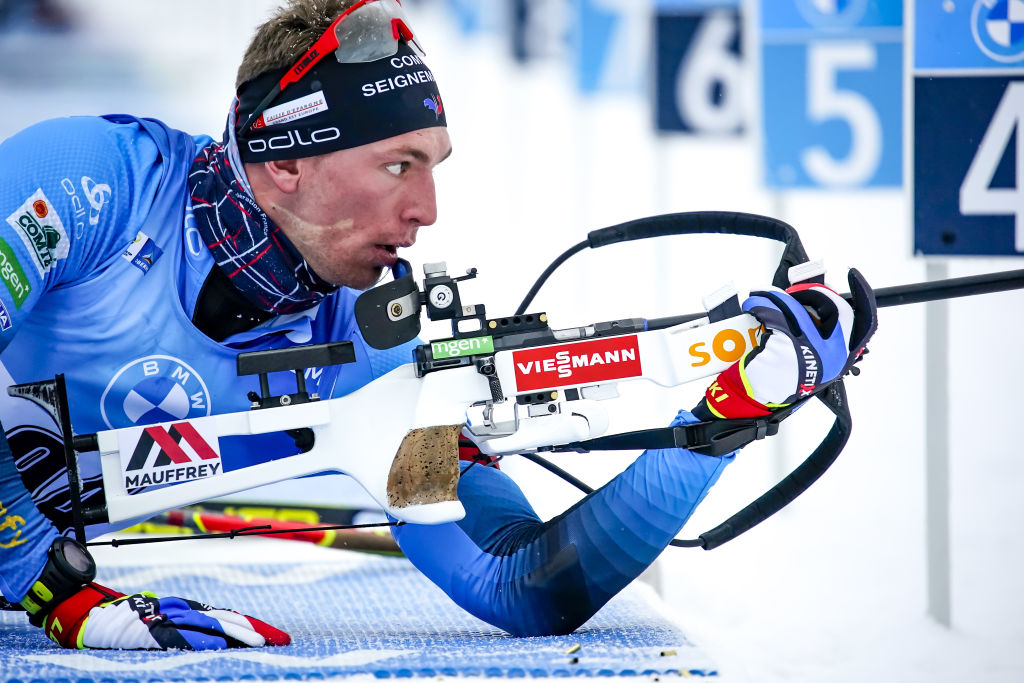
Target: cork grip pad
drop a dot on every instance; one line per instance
(426, 467)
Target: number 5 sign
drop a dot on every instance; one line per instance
(831, 84)
(968, 145)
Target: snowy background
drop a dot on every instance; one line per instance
(832, 589)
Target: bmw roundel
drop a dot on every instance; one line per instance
(832, 13)
(998, 29)
(154, 389)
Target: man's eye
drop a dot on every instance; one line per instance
(397, 168)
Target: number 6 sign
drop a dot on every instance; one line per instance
(699, 73)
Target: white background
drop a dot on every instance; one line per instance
(832, 589)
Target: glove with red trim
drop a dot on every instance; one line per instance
(812, 337)
(97, 617)
(468, 452)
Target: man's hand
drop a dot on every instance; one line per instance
(97, 617)
(812, 336)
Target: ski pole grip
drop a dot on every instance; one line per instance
(708, 223)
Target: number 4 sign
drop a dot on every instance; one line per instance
(968, 99)
(978, 197)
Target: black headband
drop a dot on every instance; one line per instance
(337, 106)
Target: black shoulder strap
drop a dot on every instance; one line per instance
(795, 483)
(720, 437)
(221, 310)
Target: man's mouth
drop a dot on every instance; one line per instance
(387, 254)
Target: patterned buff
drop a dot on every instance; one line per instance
(252, 251)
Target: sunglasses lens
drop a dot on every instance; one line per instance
(369, 33)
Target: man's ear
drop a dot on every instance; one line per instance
(284, 174)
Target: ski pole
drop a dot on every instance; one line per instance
(214, 522)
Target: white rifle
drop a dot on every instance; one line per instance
(513, 385)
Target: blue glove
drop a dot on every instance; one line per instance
(812, 337)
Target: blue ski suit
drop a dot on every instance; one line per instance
(101, 267)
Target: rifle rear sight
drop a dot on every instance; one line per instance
(297, 359)
(474, 337)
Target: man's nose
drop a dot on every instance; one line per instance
(422, 206)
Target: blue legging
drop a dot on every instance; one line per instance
(25, 534)
(532, 578)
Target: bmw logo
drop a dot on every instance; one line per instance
(832, 13)
(154, 389)
(998, 29)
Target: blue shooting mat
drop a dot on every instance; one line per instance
(359, 615)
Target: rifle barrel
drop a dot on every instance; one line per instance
(899, 295)
(948, 289)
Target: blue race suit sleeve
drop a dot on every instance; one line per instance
(504, 565)
(69, 189)
(532, 578)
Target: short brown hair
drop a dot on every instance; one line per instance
(282, 39)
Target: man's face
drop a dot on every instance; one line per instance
(352, 209)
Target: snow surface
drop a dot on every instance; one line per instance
(832, 589)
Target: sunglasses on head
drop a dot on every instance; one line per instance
(367, 31)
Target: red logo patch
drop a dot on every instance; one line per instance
(589, 362)
(40, 207)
